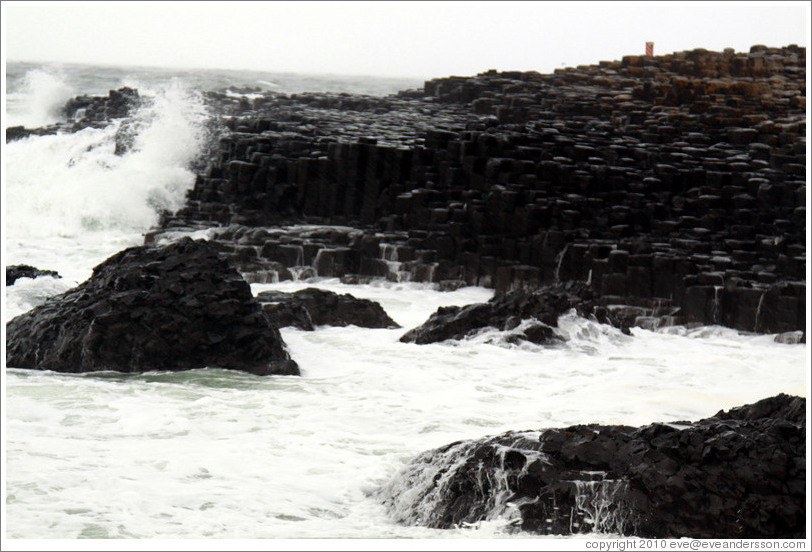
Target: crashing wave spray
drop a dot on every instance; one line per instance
(70, 184)
(39, 100)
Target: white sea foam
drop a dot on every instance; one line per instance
(221, 454)
(214, 453)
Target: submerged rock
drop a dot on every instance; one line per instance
(738, 474)
(14, 272)
(151, 308)
(311, 307)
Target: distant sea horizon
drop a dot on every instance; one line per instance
(408, 80)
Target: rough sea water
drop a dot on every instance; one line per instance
(220, 454)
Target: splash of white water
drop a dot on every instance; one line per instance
(39, 100)
(73, 188)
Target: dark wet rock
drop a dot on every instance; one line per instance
(14, 272)
(17, 133)
(504, 311)
(20, 132)
(782, 406)
(282, 310)
(738, 474)
(540, 334)
(452, 323)
(311, 307)
(151, 308)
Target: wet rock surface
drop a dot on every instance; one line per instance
(506, 311)
(662, 181)
(310, 307)
(738, 474)
(151, 308)
(14, 272)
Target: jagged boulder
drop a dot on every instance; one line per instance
(738, 474)
(151, 308)
(14, 272)
(503, 310)
(311, 307)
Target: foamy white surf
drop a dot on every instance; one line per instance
(215, 453)
(209, 454)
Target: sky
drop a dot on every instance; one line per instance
(394, 39)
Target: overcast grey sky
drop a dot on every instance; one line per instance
(409, 39)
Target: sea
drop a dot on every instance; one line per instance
(214, 457)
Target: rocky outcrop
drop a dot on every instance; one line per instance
(506, 311)
(14, 272)
(86, 111)
(671, 181)
(151, 308)
(20, 132)
(310, 307)
(738, 474)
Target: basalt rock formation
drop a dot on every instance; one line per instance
(738, 474)
(151, 308)
(666, 183)
(14, 272)
(310, 307)
(671, 181)
(86, 111)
